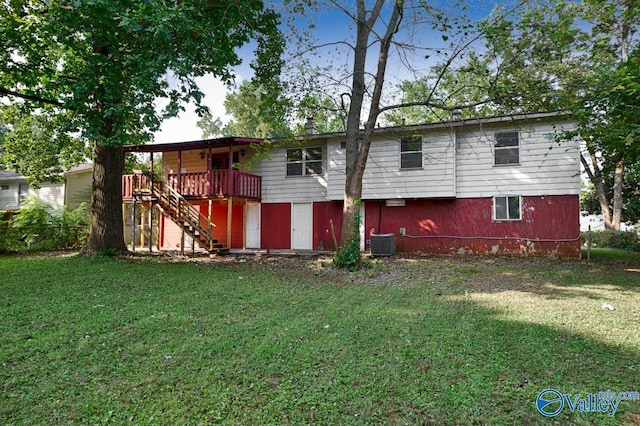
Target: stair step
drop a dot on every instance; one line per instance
(219, 251)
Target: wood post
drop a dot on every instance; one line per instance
(229, 220)
(133, 227)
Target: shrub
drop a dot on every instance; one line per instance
(39, 227)
(623, 240)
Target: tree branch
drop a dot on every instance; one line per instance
(28, 97)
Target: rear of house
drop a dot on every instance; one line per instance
(498, 185)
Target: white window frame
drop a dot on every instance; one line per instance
(510, 216)
(304, 161)
(411, 153)
(500, 149)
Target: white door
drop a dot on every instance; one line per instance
(301, 220)
(253, 225)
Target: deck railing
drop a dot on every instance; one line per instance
(215, 183)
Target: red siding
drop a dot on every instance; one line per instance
(219, 218)
(549, 226)
(323, 213)
(275, 230)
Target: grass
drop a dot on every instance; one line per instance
(612, 254)
(440, 340)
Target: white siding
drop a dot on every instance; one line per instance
(458, 162)
(78, 189)
(383, 178)
(545, 167)
(277, 187)
(9, 197)
(50, 193)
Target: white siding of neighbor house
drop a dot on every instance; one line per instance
(383, 178)
(78, 189)
(277, 187)
(545, 167)
(9, 197)
(50, 193)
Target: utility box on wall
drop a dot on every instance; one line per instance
(383, 244)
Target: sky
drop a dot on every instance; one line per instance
(330, 26)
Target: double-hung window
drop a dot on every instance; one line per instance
(304, 161)
(507, 208)
(411, 152)
(507, 148)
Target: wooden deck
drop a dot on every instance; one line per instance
(212, 184)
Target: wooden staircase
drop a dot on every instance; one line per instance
(187, 217)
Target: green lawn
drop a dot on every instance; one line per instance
(437, 340)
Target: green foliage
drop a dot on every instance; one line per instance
(630, 189)
(257, 111)
(466, 88)
(348, 254)
(38, 227)
(36, 143)
(622, 240)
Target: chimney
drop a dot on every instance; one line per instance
(310, 126)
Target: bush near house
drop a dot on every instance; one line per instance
(39, 227)
(623, 240)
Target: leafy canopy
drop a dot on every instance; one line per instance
(108, 62)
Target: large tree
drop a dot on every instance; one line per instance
(105, 63)
(353, 68)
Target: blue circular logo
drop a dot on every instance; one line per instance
(549, 402)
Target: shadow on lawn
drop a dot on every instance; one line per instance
(478, 368)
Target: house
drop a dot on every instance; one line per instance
(72, 191)
(498, 185)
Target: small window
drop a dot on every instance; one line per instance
(23, 192)
(4, 187)
(411, 152)
(304, 161)
(507, 208)
(507, 148)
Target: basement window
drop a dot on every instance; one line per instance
(507, 208)
(411, 152)
(507, 148)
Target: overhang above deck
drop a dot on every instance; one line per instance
(191, 145)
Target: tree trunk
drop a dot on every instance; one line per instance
(616, 215)
(357, 149)
(107, 230)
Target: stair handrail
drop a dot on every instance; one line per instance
(185, 210)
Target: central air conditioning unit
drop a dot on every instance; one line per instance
(383, 244)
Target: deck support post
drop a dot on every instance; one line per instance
(229, 220)
(151, 225)
(143, 224)
(244, 225)
(133, 226)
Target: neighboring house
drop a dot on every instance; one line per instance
(75, 188)
(495, 185)
(595, 222)
(78, 183)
